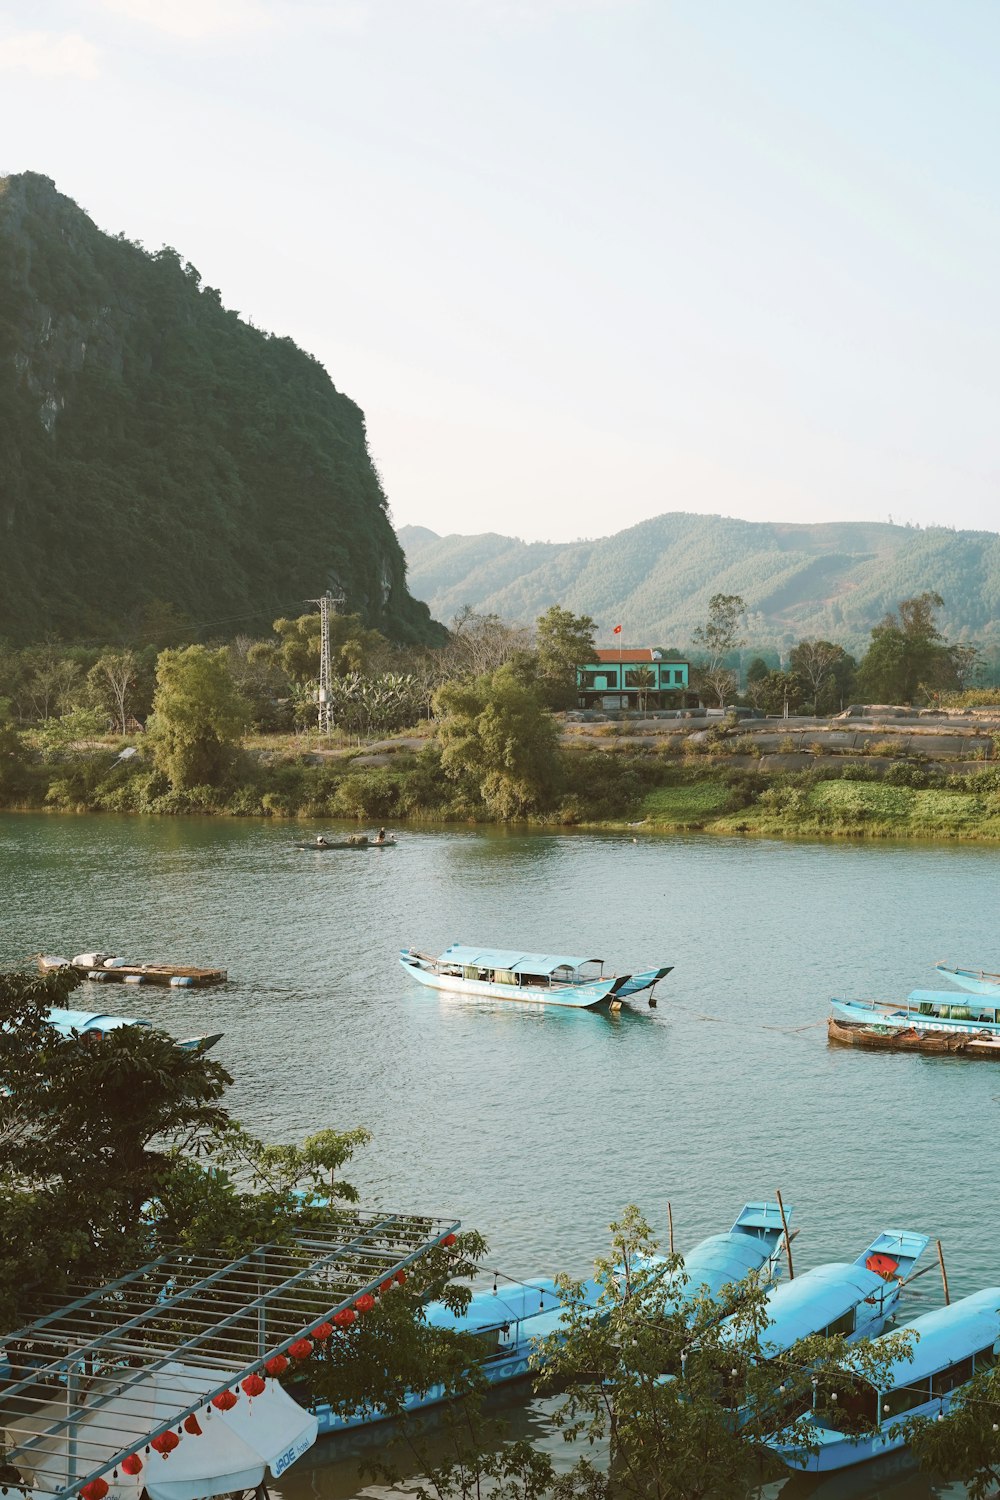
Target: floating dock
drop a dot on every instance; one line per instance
(177, 976)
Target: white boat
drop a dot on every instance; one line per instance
(542, 978)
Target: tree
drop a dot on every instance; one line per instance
(907, 656)
(776, 693)
(113, 679)
(198, 717)
(826, 672)
(499, 739)
(963, 1444)
(563, 642)
(644, 680)
(353, 648)
(480, 644)
(719, 637)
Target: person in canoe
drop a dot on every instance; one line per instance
(380, 837)
(320, 841)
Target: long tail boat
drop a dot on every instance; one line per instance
(544, 978)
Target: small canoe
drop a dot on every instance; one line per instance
(327, 847)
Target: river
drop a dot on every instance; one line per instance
(537, 1126)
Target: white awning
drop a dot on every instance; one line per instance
(269, 1431)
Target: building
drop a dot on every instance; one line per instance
(634, 677)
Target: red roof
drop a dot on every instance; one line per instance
(631, 654)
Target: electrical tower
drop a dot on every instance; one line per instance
(328, 603)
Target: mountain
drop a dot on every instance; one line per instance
(655, 579)
(159, 455)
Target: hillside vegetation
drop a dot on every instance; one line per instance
(656, 579)
(159, 457)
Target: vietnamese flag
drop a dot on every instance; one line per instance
(617, 630)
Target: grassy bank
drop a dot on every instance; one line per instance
(657, 788)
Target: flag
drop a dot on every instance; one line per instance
(617, 630)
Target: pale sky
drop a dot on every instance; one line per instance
(580, 261)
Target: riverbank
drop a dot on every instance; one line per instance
(659, 784)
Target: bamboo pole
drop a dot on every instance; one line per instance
(670, 1226)
(788, 1242)
(944, 1274)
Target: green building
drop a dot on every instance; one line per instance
(634, 677)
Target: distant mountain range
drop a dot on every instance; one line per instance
(833, 581)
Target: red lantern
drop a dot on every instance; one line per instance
(301, 1349)
(225, 1401)
(192, 1426)
(401, 1277)
(166, 1443)
(254, 1384)
(385, 1287)
(345, 1317)
(132, 1465)
(322, 1332)
(449, 1239)
(95, 1490)
(365, 1302)
(276, 1365)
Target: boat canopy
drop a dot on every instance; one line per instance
(68, 1021)
(813, 1302)
(947, 1335)
(513, 960)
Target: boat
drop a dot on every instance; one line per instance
(928, 1013)
(105, 968)
(974, 980)
(351, 842)
(898, 1038)
(950, 1345)
(854, 1299)
(510, 974)
(755, 1244)
(505, 1324)
(90, 1023)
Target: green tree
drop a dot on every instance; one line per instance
(964, 1443)
(907, 656)
(826, 672)
(563, 642)
(13, 757)
(501, 742)
(719, 637)
(198, 717)
(113, 680)
(777, 692)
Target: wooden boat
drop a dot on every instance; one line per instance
(109, 970)
(544, 978)
(361, 841)
(929, 1014)
(975, 981)
(890, 1038)
(950, 1346)
(90, 1023)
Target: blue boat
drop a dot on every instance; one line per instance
(952, 1344)
(930, 1011)
(505, 1324)
(542, 978)
(754, 1244)
(974, 980)
(96, 1024)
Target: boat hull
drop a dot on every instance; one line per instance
(975, 1038)
(573, 997)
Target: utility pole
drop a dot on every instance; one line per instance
(328, 603)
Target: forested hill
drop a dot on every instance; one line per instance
(833, 581)
(157, 454)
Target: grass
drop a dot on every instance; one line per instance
(686, 806)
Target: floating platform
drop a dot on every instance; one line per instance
(177, 976)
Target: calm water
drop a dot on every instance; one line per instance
(538, 1126)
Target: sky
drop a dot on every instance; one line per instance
(579, 261)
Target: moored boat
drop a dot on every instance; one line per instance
(852, 1419)
(975, 981)
(90, 1023)
(893, 1038)
(926, 1014)
(505, 1324)
(544, 978)
(353, 841)
(755, 1244)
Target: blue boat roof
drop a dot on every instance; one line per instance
(723, 1258)
(795, 1309)
(946, 1335)
(955, 997)
(67, 1021)
(512, 958)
